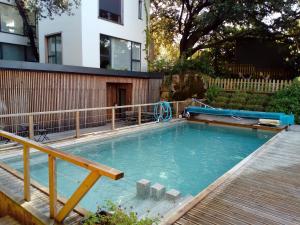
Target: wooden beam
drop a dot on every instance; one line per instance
(139, 115)
(177, 109)
(26, 163)
(75, 110)
(82, 162)
(81, 191)
(113, 118)
(77, 118)
(31, 127)
(52, 186)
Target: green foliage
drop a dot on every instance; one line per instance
(287, 101)
(193, 87)
(224, 99)
(201, 25)
(212, 93)
(200, 64)
(117, 217)
(238, 100)
(50, 8)
(235, 105)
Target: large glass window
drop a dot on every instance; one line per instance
(54, 49)
(111, 10)
(140, 9)
(11, 21)
(119, 54)
(136, 57)
(105, 49)
(16, 52)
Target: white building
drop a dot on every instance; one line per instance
(100, 34)
(14, 44)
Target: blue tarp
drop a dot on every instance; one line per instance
(282, 117)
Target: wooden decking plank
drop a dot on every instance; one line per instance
(284, 206)
(236, 212)
(264, 191)
(39, 199)
(220, 215)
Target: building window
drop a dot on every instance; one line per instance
(140, 9)
(11, 21)
(54, 49)
(111, 10)
(136, 57)
(16, 52)
(119, 54)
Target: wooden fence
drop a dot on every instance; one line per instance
(251, 70)
(255, 85)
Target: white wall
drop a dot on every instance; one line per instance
(70, 28)
(132, 30)
(81, 32)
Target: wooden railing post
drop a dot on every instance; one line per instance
(177, 109)
(31, 127)
(139, 115)
(113, 118)
(77, 118)
(26, 163)
(52, 186)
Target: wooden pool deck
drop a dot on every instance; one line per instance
(262, 189)
(11, 184)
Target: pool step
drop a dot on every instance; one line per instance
(7, 220)
(154, 200)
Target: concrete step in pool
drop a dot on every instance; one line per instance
(154, 200)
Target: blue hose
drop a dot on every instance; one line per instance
(163, 111)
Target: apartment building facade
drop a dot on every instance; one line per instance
(107, 34)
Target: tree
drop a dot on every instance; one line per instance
(42, 9)
(201, 24)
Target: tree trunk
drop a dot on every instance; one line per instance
(28, 28)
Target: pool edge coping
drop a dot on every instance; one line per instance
(172, 217)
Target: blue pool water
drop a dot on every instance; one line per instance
(187, 157)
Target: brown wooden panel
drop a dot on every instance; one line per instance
(34, 91)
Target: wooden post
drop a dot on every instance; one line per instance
(77, 118)
(52, 186)
(113, 118)
(81, 191)
(31, 127)
(26, 163)
(139, 115)
(177, 109)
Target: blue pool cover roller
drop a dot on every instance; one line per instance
(282, 117)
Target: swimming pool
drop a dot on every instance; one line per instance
(185, 156)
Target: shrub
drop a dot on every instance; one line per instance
(222, 99)
(254, 107)
(287, 101)
(116, 217)
(234, 106)
(237, 99)
(219, 104)
(212, 93)
(193, 87)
